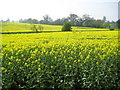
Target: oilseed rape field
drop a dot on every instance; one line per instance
(24, 27)
(61, 60)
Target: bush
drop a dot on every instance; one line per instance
(40, 27)
(111, 29)
(35, 28)
(67, 27)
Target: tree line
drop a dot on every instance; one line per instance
(84, 21)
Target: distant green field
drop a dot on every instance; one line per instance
(25, 27)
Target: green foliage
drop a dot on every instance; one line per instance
(40, 27)
(67, 27)
(24, 27)
(113, 26)
(36, 28)
(29, 20)
(118, 22)
(98, 23)
(111, 29)
(106, 25)
(85, 21)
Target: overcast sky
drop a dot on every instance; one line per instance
(17, 9)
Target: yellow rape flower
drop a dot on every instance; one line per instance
(109, 69)
(17, 60)
(78, 61)
(28, 60)
(66, 66)
(55, 57)
(112, 64)
(21, 67)
(74, 61)
(25, 64)
(70, 66)
(65, 61)
(3, 68)
(36, 60)
(9, 63)
(70, 58)
(39, 65)
(84, 61)
(97, 63)
(88, 57)
(22, 55)
(39, 59)
(51, 53)
(11, 57)
(51, 66)
(39, 69)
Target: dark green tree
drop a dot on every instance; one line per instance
(118, 22)
(106, 25)
(35, 21)
(87, 20)
(104, 19)
(47, 19)
(98, 23)
(29, 20)
(34, 28)
(8, 20)
(67, 27)
(40, 27)
(73, 18)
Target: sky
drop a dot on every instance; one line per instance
(36, 9)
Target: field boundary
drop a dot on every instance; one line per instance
(49, 31)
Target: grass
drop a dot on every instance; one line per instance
(23, 27)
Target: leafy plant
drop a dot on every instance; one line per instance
(37, 28)
(67, 27)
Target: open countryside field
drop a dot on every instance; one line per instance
(24, 27)
(83, 58)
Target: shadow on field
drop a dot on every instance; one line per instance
(50, 31)
(29, 32)
(89, 30)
